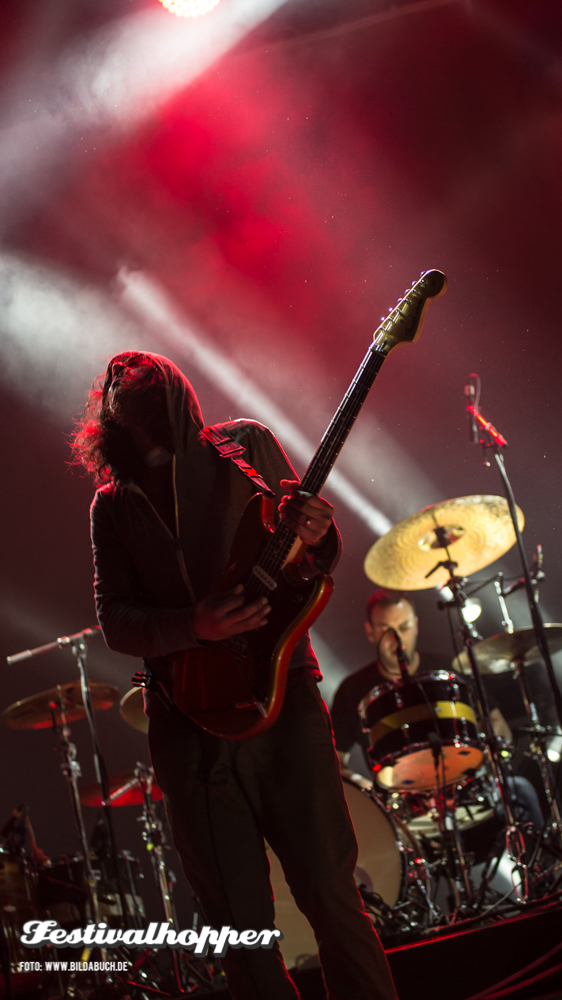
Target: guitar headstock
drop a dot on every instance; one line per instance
(403, 324)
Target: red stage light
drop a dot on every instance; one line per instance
(189, 8)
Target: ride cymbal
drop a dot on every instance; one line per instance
(36, 712)
(124, 790)
(131, 708)
(474, 530)
(498, 654)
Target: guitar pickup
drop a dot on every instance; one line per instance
(264, 578)
(253, 704)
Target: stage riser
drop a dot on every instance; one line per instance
(462, 964)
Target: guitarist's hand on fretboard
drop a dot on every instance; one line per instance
(308, 515)
(221, 615)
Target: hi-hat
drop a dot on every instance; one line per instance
(131, 708)
(475, 531)
(36, 712)
(125, 789)
(499, 653)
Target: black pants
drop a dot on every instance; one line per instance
(224, 797)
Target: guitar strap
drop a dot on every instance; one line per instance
(227, 447)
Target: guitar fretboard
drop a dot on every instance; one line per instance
(401, 324)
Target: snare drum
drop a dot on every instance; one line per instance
(385, 846)
(423, 732)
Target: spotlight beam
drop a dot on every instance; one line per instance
(149, 301)
(106, 82)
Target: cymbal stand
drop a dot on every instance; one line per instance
(71, 769)
(154, 838)
(536, 731)
(539, 736)
(515, 843)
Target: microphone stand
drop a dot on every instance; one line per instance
(78, 646)
(403, 661)
(496, 442)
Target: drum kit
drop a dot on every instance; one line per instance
(98, 883)
(437, 765)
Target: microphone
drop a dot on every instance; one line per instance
(403, 660)
(471, 400)
(536, 573)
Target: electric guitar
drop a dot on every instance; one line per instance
(235, 688)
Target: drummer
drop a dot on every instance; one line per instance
(387, 609)
(394, 609)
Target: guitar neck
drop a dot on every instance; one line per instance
(342, 422)
(282, 539)
(402, 324)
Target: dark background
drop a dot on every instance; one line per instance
(272, 206)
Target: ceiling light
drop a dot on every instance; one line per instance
(189, 8)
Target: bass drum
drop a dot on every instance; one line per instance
(382, 868)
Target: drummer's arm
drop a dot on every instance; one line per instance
(344, 756)
(500, 726)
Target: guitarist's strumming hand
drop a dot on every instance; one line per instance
(310, 516)
(221, 615)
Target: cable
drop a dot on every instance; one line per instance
(491, 991)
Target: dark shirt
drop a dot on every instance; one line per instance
(144, 595)
(345, 717)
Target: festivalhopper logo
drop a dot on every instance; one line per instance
(37, 933)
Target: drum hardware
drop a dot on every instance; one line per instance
(81, 705)
(499, 653)
(515, 843)
(125, 790)
(513, 651)
(138, 787)
(492, 440)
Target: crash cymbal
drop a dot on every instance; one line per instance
(477, 530)
(35, 712)
(90, 795)
(497, 654)
(131, 708)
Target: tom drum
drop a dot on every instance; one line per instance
(423, 732)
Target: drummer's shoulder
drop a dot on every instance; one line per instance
(363, 680)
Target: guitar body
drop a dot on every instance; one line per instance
(218, 685)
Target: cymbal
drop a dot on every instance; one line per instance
(35, 712)
(497, 654)
(477, 530)
(131, 708)
(90, 794)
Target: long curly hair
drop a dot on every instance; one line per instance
(101, 442)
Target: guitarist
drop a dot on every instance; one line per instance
(162, 527)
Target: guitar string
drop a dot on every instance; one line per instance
(277, 549)
(274, 553)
